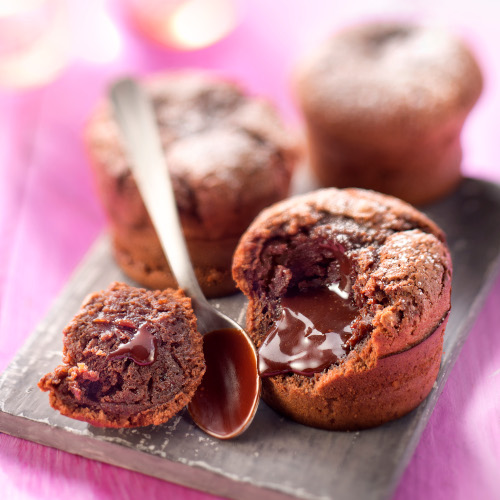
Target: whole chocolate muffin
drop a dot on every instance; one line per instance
(229, 156)
(131, 358)
(349, 294)
(384, 105)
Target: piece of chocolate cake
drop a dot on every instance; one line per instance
(132, 358)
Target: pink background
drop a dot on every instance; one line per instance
(49, 217)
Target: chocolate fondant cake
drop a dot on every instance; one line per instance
(349, 294)
(229, 156)
(131, 358)
(384, 105)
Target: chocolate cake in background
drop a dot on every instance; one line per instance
(229, 155)
(384, 105)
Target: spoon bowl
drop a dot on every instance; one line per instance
(226, 401)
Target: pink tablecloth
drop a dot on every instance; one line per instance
(49, 217)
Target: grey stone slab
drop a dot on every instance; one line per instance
(275, 458)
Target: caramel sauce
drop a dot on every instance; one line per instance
(224, 402)
(141, 348)
(310, 334)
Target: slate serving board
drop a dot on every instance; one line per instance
(275, 458)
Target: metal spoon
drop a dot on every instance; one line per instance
(227, 399)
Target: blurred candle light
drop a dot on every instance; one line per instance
(199, 23)
(33, 41)
(102, 43)
(185, 24)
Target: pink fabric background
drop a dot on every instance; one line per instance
(49, 217)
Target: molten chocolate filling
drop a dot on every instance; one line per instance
(315, 314)
(311, 333)
(226, 396)
(141, 348)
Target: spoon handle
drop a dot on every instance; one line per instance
(137, 123)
